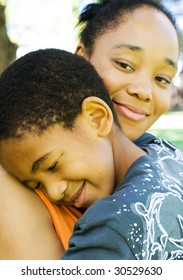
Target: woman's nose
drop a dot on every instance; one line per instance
(141, 90)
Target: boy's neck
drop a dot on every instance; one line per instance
(125, 153)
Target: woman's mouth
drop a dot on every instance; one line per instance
(130, 112)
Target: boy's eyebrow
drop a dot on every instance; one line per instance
(167, 60)
(36, 164)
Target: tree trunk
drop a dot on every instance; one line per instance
(7, 48)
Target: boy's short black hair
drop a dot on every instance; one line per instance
(46, 87)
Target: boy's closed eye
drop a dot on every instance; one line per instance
(53, 166)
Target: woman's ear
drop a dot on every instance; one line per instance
(98, 114)
(81, 51)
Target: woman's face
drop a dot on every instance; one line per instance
(137, 62)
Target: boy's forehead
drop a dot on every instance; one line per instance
(18, 156)
(31, 146)
(12, 149)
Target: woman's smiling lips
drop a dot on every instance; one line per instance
(130, 111)
(79, 197)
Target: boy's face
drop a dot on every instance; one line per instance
(72, 167)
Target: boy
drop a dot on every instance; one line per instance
(59, 134)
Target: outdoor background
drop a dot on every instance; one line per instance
(27, 25)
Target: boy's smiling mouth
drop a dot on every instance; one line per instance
(77, 199)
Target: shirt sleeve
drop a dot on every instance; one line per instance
(95, 239)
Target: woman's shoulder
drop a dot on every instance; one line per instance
(27, 230)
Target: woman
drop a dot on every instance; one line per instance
(134, 67)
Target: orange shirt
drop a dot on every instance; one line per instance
(63, 217)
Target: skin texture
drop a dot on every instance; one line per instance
(56, 162)
(137, 69)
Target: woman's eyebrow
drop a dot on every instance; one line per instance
(170, 62)
(37, 163)
(128, 46)
(167, 60)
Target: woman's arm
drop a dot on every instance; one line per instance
(26, 228)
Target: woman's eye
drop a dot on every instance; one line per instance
(163, 81)
(125, 66)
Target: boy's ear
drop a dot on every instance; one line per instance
(81, 51)
(98, 114)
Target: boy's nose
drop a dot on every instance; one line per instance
(55, 190)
